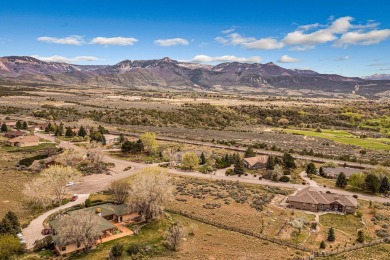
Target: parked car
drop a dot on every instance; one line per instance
(46, 231)
(71, 183)
(75, 197)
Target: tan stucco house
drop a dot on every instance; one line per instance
(257, 162)
(110, 214)
(311, 199)
(24, 141)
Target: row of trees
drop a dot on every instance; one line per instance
(370, 182)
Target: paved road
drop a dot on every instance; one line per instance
(258, 151)
(95, 183)
(33, 231)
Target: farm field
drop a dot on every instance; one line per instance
(346, 138)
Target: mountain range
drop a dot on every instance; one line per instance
(167, 74)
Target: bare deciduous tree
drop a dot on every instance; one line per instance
(69, 158)
(79, 228)
(150, 191)
(96, 157)
(56, 178)
(37, 194)
(120, 191)
(174, 236)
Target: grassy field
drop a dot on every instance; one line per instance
(346, 223)
(346, 138)
(12, 182)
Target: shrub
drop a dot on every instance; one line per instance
(322, 245)
(229, 172)
(284, 178)
(117, 250)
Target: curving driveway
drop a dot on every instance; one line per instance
(33, 231)
(99, 182)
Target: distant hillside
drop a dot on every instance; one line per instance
(170, 74)
(378, 77)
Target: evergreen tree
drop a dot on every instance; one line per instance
(249, 152)
(321, 172)
(360, 238)
(69, 132)
(47, 129)
(4, 128)
(311, 168)
(331, 236)
(372, 183)
(385, 186)
(341, 180)
(270, 163)
(239, 166)
(6, 227)
(18, 124)
(82, 132)
(202, 159)
(288, 161)
(24, 126)
(13, 219)
(121, 138)
(322, 245)
(60, 130)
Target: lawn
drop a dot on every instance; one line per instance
(346, 138)
(346, 223)
(27, 149)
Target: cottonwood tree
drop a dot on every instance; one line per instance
(10, 246)
(120, 190)
(190, 161)
(150, 191)
(96, 157)
(56, 177)
(80, 228)
(38, 193)
(277, 173)
(149, 141)
(357, 180)
(174, 236)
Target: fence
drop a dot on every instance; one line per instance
(278, 241)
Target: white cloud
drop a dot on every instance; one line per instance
(171, 42)
(70, 40)
(122, 41)
(328, 34)
(308, 27)
(302, 48)
(226, 58)
(343, 58)
(250, 42)
(287, 59)
(229, 30)
(58, 58)
(363, 38)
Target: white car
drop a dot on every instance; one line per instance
(69, 184)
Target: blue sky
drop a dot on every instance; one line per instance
(346, 37)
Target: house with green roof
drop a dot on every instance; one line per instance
(109, 214)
